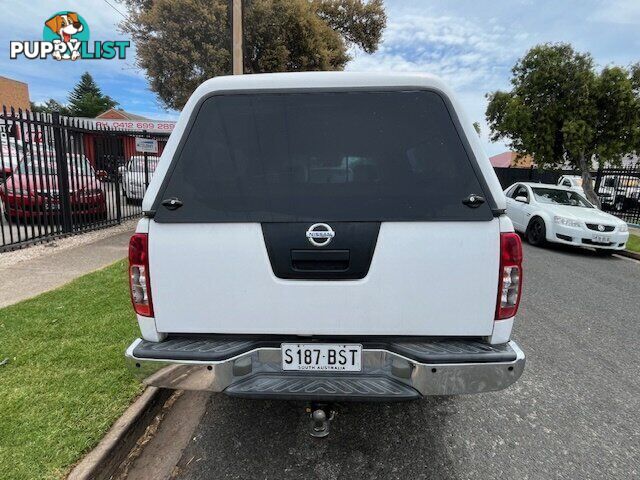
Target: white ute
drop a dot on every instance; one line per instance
(325, 237)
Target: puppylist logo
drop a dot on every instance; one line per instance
(65, 36)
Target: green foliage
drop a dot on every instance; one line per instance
(477, 128)
(181, 44)
(634, 243)
(87, 100)
(360, 23)
(65, 382)
(49, 106)
(563, 112)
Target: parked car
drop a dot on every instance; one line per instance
(325, 237)
(111, 164)
(32, 191)
(11, 153)
(572, 182)
(619, 192)
(134, 177)
(552, 213)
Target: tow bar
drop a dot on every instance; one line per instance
(320, 417)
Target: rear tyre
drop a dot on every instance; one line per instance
(12, 219)
(537, 232)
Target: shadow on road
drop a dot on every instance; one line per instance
(269, 439)
(569, 250)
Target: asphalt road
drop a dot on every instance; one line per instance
(574, 414)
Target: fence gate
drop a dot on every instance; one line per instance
(619, 192)
(58, 177)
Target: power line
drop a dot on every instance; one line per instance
(123, 15)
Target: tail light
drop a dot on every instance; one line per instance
(139, 275)
(510, 282)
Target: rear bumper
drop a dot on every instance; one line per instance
(391, 371)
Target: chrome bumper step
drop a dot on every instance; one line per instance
(215, 348)
(337, 388)
(391, 370)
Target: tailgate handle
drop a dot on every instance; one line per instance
(320, 260)
(172, 203)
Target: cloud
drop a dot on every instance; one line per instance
(473, 58)
(625, 12)
(473, 45)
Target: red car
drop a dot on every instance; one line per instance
(32, 191)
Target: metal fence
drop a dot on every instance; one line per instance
(60, 177)
(508, 176)
(619, 192)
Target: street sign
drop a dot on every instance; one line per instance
(146, 145)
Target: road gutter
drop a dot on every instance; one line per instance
(103, 461)
(628, 254)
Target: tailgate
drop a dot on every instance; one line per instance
(425, 278)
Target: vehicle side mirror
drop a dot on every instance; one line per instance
(521, 199)
(101, 175)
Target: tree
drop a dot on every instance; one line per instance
(563, 112)
(49, 106)
(477, 128)
(87, 100)
(181, 44)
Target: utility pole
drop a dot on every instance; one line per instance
(236, 28)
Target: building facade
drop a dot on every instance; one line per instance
(14, 94)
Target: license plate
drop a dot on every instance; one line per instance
(322, 357)
(601, 239)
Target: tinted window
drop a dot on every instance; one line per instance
(521, 191)
(349, 156)
(560, 197)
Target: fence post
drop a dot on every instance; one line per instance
(146, 164)
(62, 169)
(598, 179)
(113, 151)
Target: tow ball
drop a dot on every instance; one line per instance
(320, 418)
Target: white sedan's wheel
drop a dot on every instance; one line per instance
(537, 232)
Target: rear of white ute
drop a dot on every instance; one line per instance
(325, 237)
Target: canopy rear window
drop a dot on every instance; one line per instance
(322, 156)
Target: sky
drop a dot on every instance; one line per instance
(470, 44)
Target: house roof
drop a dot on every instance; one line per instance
(114, 113)
(511, 159)
(502, 160)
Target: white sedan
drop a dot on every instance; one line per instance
(553, 213)
(134, 177)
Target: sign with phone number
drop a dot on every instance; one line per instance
(154, 126)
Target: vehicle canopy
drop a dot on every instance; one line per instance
(324, 203)
(318, 82)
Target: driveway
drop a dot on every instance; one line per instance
(573, 414)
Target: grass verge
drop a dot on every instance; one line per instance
(65, 382)
(633, 244)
